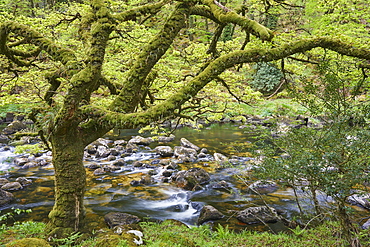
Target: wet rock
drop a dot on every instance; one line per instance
(221, 186)
(102, 152)
(120, 143)
(191, 178)
(119, 163)
(5, 197)
(139, 140)
(146, 180)
(185, 159)
(135, 183)
(187, 144)
(3, 181)
(255, 215)
(164, 151)
(99, 171)
(41, 161)
(4, 139)
(222, 159)
(167, 173)
(138, 164)
(24, 181)
(131, 148)
(172, 166)
(91, 149)
(12, 186)
(14, 127)
(204, 151)
(29, 165)
(117, 219)
(166, 138)
(111, 158)
(360, 199)
(20, 161)
(188, 152)
(111, 168)
(93, 166)
(114, 152)
(209, 213)
(366, 225)
(263, 187)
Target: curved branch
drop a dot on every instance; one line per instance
(227, 16)
(215, 68)
(132, 14)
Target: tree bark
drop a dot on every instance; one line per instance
(70, 182)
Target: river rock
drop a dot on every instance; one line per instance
(111, 168)
(255, 215)
(263, 187)
(189, 152)
(93, 166)
(164, 151)
(166, 138)
(116, 219)
(139, 140)
(102, 152)
(119, 143)
(3, 181)
(91, 149)
(4, 139)
(29, 165)
(366, 225)
(20, 161)
(209, 213)
(99, 171)
(5, 197)
(13, 127)
(222, 159)
(187, 144)
(360, 199)
(191, 178)
(12, 186)
(24, 181)
(221, 186)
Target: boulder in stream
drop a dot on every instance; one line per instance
(255, 215)
(164, 151)
(188, 152)
(191, 178)
(13, 127)
(12, 186)
(139, 140)
(24, 181)
(263, 187)
(209, 213)
(187, 144)
(5, 197)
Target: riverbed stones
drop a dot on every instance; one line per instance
(24, 181)
(20, 161)
(220, 158)
(5, 197)
(255, 215)
(191, 178)
(117, 218)
(12, 186)
(360, 199)
(13, 127)
(99, 171)
(185, 152)
(4, 139)
(165, 139)
(3, 181)
(139, 140)
(164, 151)
(187, 144)
(263, 187)
(366, 225)
(209, 213)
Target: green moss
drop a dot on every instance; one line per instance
(28, 242)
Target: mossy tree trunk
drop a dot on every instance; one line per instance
(70, 182)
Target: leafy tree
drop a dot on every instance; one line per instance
(96, 83)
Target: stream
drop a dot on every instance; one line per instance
(112, 192)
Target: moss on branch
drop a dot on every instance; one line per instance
(215, 68)
(224, 15)
(132, 14)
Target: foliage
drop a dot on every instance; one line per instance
(267, 77)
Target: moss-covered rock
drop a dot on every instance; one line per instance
(28, 242)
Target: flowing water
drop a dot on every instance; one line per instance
(159, 200)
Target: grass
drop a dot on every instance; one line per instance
(171, 233)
